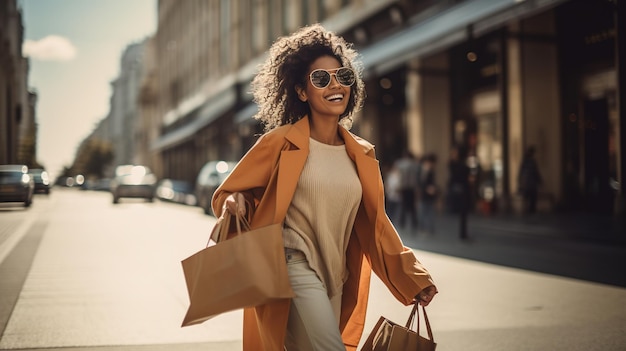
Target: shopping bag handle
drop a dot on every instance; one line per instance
(242, 223)
(221, 228)
(414, 312)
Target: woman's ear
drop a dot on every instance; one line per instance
(301, 93)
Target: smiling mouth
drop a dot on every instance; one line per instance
(335, 97)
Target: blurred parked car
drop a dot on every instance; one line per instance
(64, 181)
(210, 177)
(178, 191)
(16, 185)
(41, 179)
(133, 181)
(103, 184)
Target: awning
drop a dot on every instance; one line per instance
(445, 29)
(207, 113)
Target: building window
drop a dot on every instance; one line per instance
(214, 35)
(244, 34)
(331, 7)
(174, 93)
(273, 17)
(321, 10)
(259, 21)
(225, 35)
(290, 15)
(304, 12)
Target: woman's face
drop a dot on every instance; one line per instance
(331, 100)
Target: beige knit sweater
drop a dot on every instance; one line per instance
(320, 218)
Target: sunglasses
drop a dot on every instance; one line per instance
(320, 78)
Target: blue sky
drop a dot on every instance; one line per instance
(75, 48)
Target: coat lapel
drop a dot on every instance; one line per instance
(290, 165)
(368, 170)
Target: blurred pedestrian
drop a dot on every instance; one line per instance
(408, 167)
(458, 195)
(429, 193)
(393, 196)
(529, 180)
(321, 182)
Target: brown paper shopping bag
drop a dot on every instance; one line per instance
(389, 336)
(244, 271)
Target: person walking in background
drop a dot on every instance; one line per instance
(408, 167)
(321, 182)
(393, 196)
(529, 180)
(429, 193)
(458, 189)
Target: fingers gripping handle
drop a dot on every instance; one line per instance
(221, 229)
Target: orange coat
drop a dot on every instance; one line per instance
(267, 176)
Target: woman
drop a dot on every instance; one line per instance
(324, 184)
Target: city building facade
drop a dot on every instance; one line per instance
(123, 132)
(148, 123)
(125, 104)
(491, 77)
(18, 129)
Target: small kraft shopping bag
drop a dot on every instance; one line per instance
(246, 270)
(389, 336)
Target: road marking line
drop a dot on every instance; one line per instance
(7, 246)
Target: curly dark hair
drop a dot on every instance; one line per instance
(286, 67)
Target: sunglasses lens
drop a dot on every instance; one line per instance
(320, 78)
(345, 76)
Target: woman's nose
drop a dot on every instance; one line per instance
(333, 80)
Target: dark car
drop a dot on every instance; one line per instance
(41, 179)
(16, 185)
(133, 181)
(178, 191)
(210, 177)
(103, 184)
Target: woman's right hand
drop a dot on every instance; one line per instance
(426, 295)
(235, 203)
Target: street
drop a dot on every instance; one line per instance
(80, 273)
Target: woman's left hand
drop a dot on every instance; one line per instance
(235, 203)
(426, 296)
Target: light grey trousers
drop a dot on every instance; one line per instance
(313, 317)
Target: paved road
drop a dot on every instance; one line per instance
(78, 273)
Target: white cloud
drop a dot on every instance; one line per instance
(50, 48)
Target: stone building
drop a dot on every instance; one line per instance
(148, 123)
(18, 132)
(124, 106)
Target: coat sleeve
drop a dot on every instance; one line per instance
(397, 266)
(394, 263)
(249, 177)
